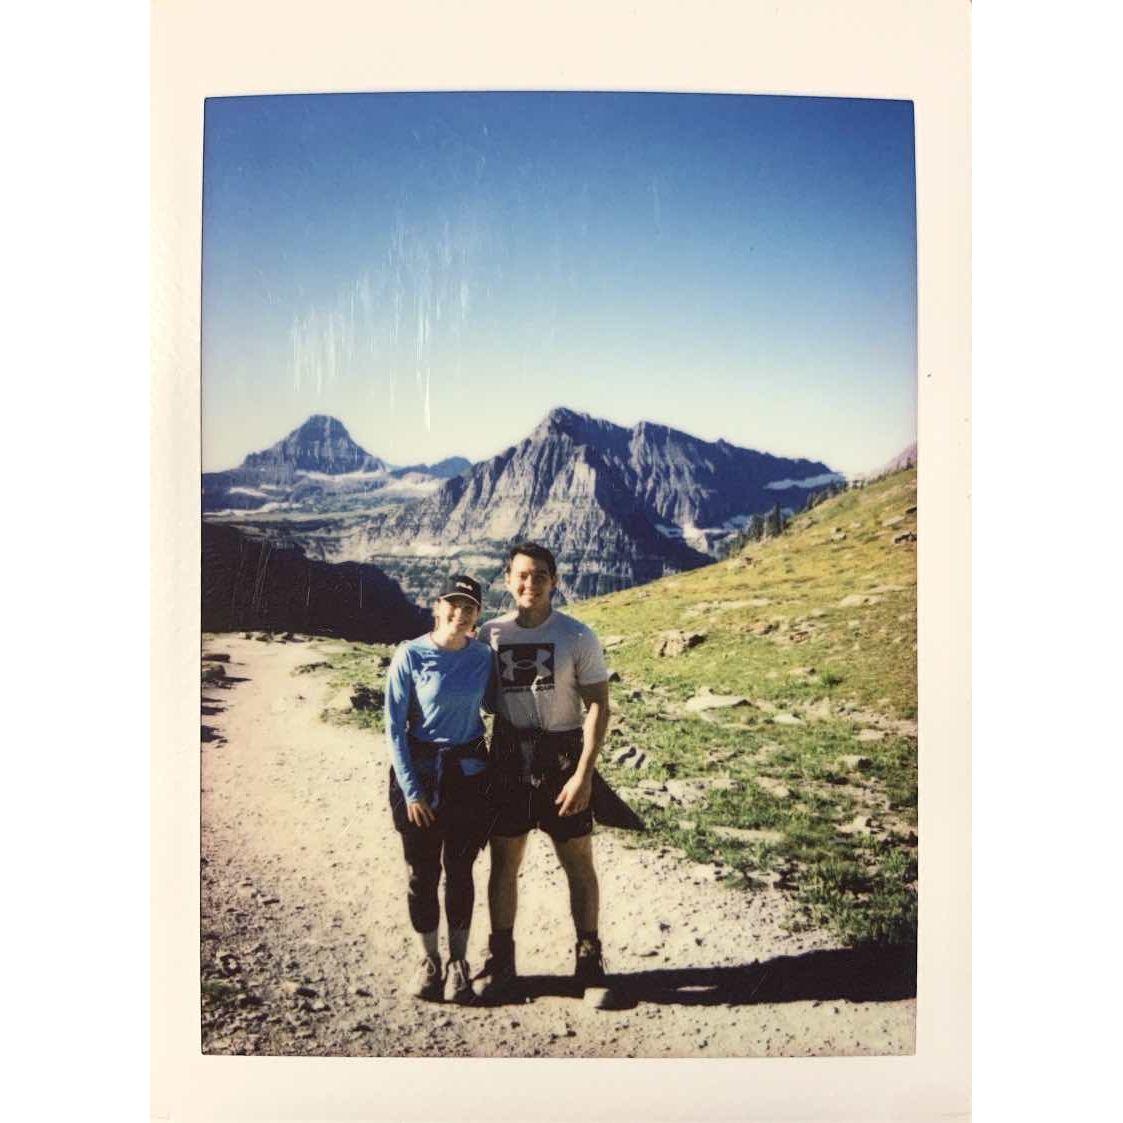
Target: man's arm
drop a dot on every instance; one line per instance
(577, 791)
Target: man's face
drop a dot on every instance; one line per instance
(529, 581)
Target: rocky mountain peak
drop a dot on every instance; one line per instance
(320, 444)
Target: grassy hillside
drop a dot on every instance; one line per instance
(806, 778)
(809, 782)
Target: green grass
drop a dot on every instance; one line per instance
(778, 635)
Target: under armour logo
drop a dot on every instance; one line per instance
(523, 664)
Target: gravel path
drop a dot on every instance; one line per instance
(306, 944)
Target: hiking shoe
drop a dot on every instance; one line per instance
(426, 981)
(590, 978)
(497, 982)
(458, 983)
(589, 968)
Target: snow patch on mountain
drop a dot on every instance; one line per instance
(810, 481)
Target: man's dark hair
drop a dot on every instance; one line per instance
(533, 550)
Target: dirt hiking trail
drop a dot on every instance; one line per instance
(306, 945)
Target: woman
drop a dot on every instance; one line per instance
(435, 689)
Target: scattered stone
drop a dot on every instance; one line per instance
(675, 642)
(687, 825)
(612, 641)
(838, 536)
(214, 673)
(910, 510)
(613, 676)
(893, 520)
(818, 711)
(634, 695)
(801, 672)
(905, 536)
(860, 824)
(362, 1027)
(763, 627)
(686, 792)
(786, 719)
(706, 699)
(871, 735)
(599, 998)
(216, 657)
(625, 754)
(859, 600)
(638, 761)
(775, 788)
(856, 763)
(362, 992)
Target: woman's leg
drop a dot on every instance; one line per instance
(460, 892)
(422, 850)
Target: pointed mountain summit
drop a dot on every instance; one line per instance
(321, 444)
(619, 507)
(318, 466)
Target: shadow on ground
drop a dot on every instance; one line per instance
(849, 974)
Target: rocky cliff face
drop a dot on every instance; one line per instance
(618, 506)
(252, 582)
(321, 444)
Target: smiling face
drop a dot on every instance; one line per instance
(455, 616)
(530, 583)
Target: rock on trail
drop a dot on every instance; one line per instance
(305, 945)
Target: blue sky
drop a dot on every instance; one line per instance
(439, 270)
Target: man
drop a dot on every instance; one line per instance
(551, 717)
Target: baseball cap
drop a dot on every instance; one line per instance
(461, 585)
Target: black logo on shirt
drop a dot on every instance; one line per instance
(526, 666)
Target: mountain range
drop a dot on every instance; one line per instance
(618, 506)
(319, 468)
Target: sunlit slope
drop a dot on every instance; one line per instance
(827, 610)
(802, 773)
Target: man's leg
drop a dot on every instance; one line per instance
(498, 981)
(576, 857)
(503, 881)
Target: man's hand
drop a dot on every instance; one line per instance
(575, 794)
(420, 814)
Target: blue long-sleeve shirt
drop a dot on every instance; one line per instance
(434, 695)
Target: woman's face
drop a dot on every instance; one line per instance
(456, 615)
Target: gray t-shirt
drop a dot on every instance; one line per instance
(541, 668)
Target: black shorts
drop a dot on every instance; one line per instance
(520, 806)
(465, 816)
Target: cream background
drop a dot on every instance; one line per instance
(863, 48)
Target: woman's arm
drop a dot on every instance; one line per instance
(399, 692)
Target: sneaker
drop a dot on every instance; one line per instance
(497, 982)
(426, 981)
(458, 983)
